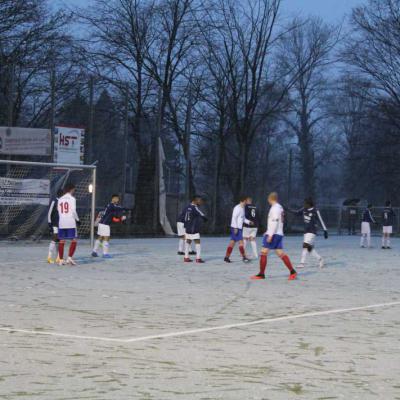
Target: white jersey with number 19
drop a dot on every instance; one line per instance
(67, 212)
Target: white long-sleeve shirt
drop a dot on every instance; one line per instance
(67, 212)
(237, 217)
(275, 220)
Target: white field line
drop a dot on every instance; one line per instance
(201, 330)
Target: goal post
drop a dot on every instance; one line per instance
(26, 189)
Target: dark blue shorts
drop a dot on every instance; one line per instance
(276, 244)
(238, 236)
(67, 234)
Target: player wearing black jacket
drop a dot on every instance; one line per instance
(52, 220)
(388, 217)
(250, 226)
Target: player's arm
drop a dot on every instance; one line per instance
(371, 216)
(321, 221)
(199, 213)
(49, 214)
(298, 212)
(273, 223)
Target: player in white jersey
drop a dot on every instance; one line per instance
(237, 230)
(273, 239)
(67, 224)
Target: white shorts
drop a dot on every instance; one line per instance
(365, 228)
(387, 229)
(249, 232)
(180, 227)
(309, 238)
(55, 230)
(193, 236)
(104, 230)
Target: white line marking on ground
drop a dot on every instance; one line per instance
(201, 330)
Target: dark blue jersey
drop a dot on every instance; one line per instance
(311, 219)
(111, 211)
(388, 216)
(193, 219)
(52, 215)
(181, 216)
(251, 219)
(367, 216)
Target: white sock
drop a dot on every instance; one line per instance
(315, 254)
(96, 245)
(388, 242)
(362, 240)
(187, 247)
(198, 251)
(383, 241)
(254, 248)
(52, 248)
(106, 248)
(303, 256)
(181, 247)
(244, 244)
(369, 240)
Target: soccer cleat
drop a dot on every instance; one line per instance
(321, 263)
(181, 253)
(107, 256)
(200, 261)
(61, 262)
(301, 265)
(257, 277)
(70, 261)
(227, 260)
(292, 276)
(57, 259)
(246, 260)
(94, 254)
(384, 248)
(187, 260)
(50, 260)
(192, 253)
(388, 248)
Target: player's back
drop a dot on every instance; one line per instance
(310, 217)
(275, 220)
(193, 219)
(388, 216)
(251, 214)
(67, 212)
(237, 217)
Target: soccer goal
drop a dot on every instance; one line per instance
(25, 192)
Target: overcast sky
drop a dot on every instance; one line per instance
(329, 10)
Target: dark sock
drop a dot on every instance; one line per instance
(72, 248)
(286, 260)
(229, 251)
(61, 249)
(263, 264)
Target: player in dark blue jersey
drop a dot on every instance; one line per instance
(250, 226)
(194, 219)
(367, 220)
(52, 219)
(388, 220)
(312, 219)
(180, 227)
(113, 213)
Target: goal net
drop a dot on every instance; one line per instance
(26, 189)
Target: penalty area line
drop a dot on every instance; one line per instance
(201, 330)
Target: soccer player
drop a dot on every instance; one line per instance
(112, 213)
(250, 226)
(193, 221)
(367, 220)
(237, 230)
(388, 216)
(67, 225)
(273, 239)
(52, 219)
(180, 227)
(311, 218)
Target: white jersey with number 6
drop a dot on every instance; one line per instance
(67, 212)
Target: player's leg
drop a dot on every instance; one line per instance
(52, 247)
(187, 248)
(72, 246)
(384, 238)
(263, 262)
(181, 246)
(198, 251)
(286, 260)
(97, 244)
(230, 247)
(388, 244)
(253, 244)
(106, 247)
(242, 250)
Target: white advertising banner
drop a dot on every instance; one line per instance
(25, 141)
(68, 145)
(24, 191)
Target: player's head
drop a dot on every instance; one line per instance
(249, 200)
(69, 188)
(308, 202)
(243, 199)
(388, 203)
(272, 198)
(115, 198)
(198, 200)
(60, 192)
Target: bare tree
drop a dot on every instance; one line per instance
(306, 51)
